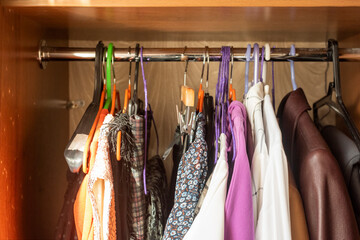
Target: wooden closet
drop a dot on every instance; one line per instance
(34, 124)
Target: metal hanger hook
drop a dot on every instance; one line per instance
(203, 67)
(129, 52)
(183, 56)
(104, 64)
(207, 70)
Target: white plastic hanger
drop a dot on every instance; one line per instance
(267, 58)
(292, 68)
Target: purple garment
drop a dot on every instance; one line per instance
(239, 218)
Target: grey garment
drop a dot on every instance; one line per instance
(121, 171)
(348, 157)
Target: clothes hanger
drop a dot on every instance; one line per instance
(267, 58)
(108, 75)
(134, 104)
(75, 148)
(222, 98)
(209, 114)
(126, 103)
(256, 63)
(111, 52)
(200, 103)
(186, 117)
(292, 68)
(145, 118)
(128, 90)
(338, 106)
(232, 97)
(247, 64)
(232, 93)
(263, 66)
(93, 128)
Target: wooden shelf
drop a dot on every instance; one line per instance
(297, 24)
(182, 3)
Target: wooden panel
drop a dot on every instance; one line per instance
(33, 132)
(350, 83)
(202, 24)
(183, 3)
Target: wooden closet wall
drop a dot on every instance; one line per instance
(34, 128)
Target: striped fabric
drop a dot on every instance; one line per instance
(138, 202)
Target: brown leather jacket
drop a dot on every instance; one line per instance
(328, 209)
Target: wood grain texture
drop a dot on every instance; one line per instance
(350, 79)
(33, 131)
(273, 24)
(182, 3)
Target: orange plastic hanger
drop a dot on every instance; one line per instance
(232, 94)
(92, 132)
(200, 102)
(118, 99)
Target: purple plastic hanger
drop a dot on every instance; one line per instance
(146, 104)
(262, 63)
(256, 63)
(222, 97)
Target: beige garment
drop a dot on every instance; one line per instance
(101, 188)
(253, 103)
(299, 230)
(274, 210)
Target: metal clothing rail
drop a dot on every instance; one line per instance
(47, 53)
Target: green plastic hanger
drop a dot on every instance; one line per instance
(108, 75)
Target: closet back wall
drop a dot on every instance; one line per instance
(33, 130)
(164, 81)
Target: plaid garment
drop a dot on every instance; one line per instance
(138, 201)
(190, 181)
(157, 187)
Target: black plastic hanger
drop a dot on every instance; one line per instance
(74, 149)
(337, 106)
(135, 104)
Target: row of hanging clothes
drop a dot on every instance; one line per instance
(240, 171)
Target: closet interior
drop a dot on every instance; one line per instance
(42, 103)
